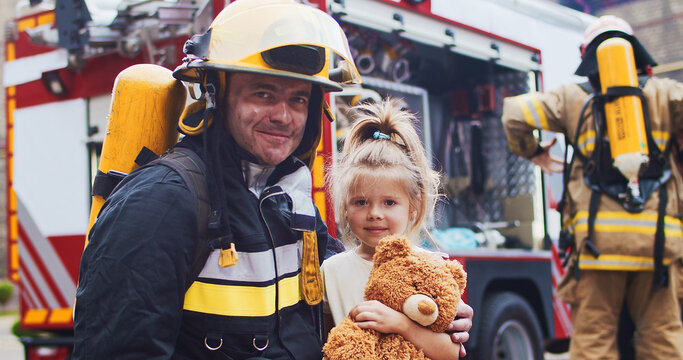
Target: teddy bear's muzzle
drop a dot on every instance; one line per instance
(421, 309)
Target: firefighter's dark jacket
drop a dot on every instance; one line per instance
(625, 240)
(131, 295)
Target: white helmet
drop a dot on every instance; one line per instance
(606, 27)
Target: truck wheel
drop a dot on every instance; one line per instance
(509, 329)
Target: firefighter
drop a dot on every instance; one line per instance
(157, 280)
(256, 131)
(621, 229)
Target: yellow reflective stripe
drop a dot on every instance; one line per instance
(514, 145)
(289, 291)
(618, 262)
(519, 145)
(661, 138)
(533, 111)
(634, 229)
(525, 110)
(540, 113)
(624, 222)
(586, 141)
(236, 300)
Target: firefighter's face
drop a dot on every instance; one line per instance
(267, 115)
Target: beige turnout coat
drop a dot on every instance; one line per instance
(625, 240)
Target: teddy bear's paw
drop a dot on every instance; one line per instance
(348, 341)
(396, 347)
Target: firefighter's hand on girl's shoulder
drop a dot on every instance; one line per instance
(548, 162)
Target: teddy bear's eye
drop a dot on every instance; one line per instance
(415, 286)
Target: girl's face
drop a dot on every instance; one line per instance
(376, 209)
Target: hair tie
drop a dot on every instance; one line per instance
(379, 135)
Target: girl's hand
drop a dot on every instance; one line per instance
(379, 317)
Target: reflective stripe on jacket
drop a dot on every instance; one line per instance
(259, 280)
(257, 302)
(619, 236)
(134, 271)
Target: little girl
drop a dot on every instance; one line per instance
(382, 185)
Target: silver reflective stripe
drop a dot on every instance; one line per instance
(532, 110)
(255, 266)
(661, 142)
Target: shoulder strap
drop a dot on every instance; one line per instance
(192, 170)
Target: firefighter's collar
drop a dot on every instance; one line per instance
(297, 184)
(256, 176)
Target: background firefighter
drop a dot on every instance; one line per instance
(615, 259)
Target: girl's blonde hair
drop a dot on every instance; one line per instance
(368, 154)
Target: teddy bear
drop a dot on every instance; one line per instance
(425, 287)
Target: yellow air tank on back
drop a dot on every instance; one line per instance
(145, 106)
(624, 115)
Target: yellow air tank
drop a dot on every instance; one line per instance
(624, 115)
(145, 106)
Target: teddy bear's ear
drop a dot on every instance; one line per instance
(390, 247)
(459, 274)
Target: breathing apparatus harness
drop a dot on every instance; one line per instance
(603, 178)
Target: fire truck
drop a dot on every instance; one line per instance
(451, 61)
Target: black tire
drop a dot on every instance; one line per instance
(509, 330)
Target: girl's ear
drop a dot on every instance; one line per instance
(413, 209)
